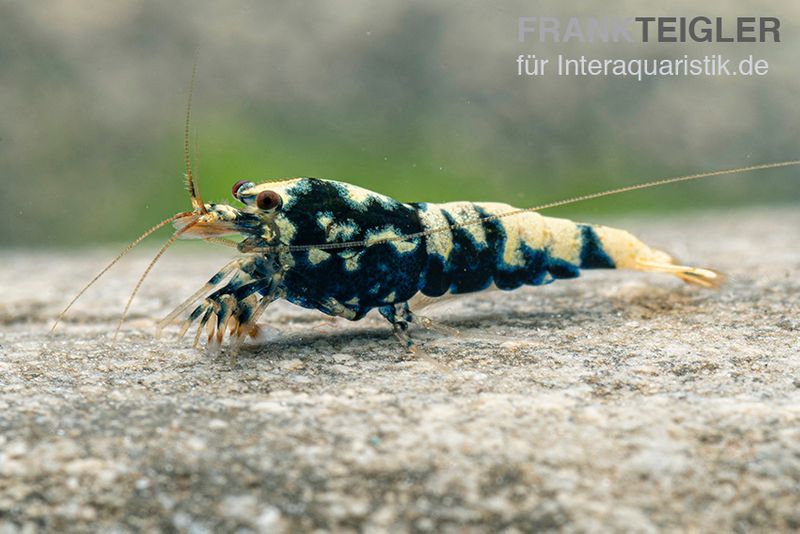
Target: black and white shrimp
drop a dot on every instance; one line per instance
(345, 250)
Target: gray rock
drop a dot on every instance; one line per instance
(619, 401)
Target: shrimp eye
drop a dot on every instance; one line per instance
(237, 186)
(268, 200)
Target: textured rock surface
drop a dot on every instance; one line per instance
(621, 400)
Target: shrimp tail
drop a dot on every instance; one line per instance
(628, 252)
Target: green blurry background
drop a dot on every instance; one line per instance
(418, 100)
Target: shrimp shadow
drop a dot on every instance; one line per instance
(367, 343)
(370, 342)
(478, 321)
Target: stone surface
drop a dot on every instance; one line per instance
(620, 400)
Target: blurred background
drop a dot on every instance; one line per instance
(418, 100)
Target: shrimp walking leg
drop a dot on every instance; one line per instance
(400, 316)
(236, 306)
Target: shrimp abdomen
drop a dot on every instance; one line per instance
(528, 249)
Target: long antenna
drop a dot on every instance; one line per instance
(152, 264)
(194, 192)
(480, 220)
(197, 204)
(113, 262)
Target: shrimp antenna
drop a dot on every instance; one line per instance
(152, 264)
(114, 261)
(573, 200)
(197, 204)
(191, 185)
